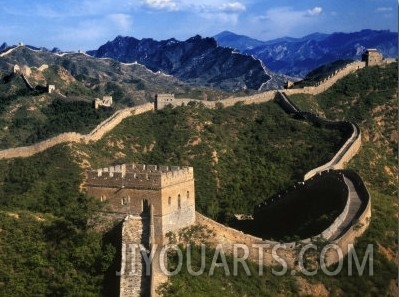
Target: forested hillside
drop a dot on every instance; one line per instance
(29, 115)
(241, 155)
(369, 98)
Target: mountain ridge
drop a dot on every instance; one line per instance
(298, 56)
(197, 60)
(233, 62)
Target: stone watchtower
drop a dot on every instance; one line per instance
(161, 100)
(372, 57)
(167, 193)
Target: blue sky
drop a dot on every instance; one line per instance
(84, 24)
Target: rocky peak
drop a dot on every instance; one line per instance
(197, 60)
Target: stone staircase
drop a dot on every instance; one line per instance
(135, 280)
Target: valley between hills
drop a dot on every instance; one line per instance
(54, 242)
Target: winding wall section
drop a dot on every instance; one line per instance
(347, 150)
(115, 119)
(103, 128)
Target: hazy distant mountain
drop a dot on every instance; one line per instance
(197, 60)
(298, 56)
(3, 46)
(239, 42)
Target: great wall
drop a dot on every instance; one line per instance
(136, 229)
(108, 124)
(168, 99)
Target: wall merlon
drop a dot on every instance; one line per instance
(163, 168)
(139, 167)
(152, 167)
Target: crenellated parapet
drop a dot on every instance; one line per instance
(167, 192)
(139, 176)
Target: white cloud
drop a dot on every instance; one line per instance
(199, 6)
(161, 4)
(232, 7)
(315, 11)
(384, 9)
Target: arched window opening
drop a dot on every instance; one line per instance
(178, 202)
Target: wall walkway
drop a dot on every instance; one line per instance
(133, 281)
(348, 216)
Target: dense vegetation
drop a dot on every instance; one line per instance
(242, 155)
(62, 116)
(28, 116)
(27, 127)
(46, 246)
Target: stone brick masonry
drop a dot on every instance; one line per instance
(134, 188)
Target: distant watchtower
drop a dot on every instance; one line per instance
(106, 101)
(372, 57)
(50, 88)
(161, 100)
(168, 192)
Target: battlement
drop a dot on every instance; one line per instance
(139, 176)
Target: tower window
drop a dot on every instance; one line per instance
(169, 200)
(124, 200)
(178, 202)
